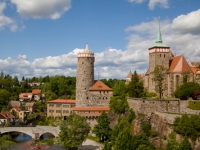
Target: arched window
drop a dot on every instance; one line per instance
(177, 80)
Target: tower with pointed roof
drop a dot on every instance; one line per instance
(92, 96)
(159, 53)
(84, 76)
(178, 68)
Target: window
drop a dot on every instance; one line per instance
(51, 105)
(65, 111)
(51, 111)
(58, 111)
(177, 80)
(65, 106)
(58, 105)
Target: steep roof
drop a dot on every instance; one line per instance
(148, 72)
(90, 108)
(100, 86)
(159, 42)
(129, 75)
(68, 101)
(179, 64)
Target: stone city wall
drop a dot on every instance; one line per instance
(145, 106)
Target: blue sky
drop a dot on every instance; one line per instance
(39, 38)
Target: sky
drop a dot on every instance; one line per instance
(40, 38)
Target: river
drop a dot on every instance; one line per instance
(25, 142)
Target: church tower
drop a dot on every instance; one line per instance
(159, 53)
(84, 76)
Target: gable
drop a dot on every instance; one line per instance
(179, 64)
(100, 86)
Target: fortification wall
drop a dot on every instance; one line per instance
(150, 106)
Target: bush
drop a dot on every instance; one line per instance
(183, 97)
(187, 89)
(196, 95)
(151, 94)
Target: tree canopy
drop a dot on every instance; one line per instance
(158, 76)
(6, 142)
(187, 89)
(102, 128)
(188, 126)
(73, 131)
(135, 87)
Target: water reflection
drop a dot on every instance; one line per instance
(25, 142)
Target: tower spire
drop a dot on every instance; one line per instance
(159, 37)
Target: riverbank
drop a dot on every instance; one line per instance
(90, 145)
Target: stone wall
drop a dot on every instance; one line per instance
(144, 106)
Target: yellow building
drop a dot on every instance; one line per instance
(60, 107)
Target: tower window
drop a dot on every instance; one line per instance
(160, 55)
(82, 62)
(164, 55)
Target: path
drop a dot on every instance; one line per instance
(90, 145)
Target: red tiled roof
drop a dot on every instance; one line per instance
(17, 108)
(148, 72)
(63, 101)
(6, 115)
(179, 64)
(129, 75)
(195, 70)
(90, 108)
(100, 86)
(25, 95)
(36, 91)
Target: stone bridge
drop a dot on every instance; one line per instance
(34, 132)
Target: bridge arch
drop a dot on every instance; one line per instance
(28, 133)
(48, 133)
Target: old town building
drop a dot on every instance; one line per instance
(178, 69)
(92, 96)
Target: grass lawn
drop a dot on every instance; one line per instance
(194, 104)
(96, 139)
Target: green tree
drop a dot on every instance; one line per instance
(158, 76)
(187, 89)
(188, 126)
(119, 88)
(73, 131)
(185, 144)
(4, 98)
(135, 87)
(102, 129)
(118, 104)
(6, 142)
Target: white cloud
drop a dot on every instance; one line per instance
(114, 63)
(42, 8)
(153, 3)
(189, 23)
(6, 21)
(160, 3)
(136, 1)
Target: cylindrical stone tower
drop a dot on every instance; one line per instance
(84, 76)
